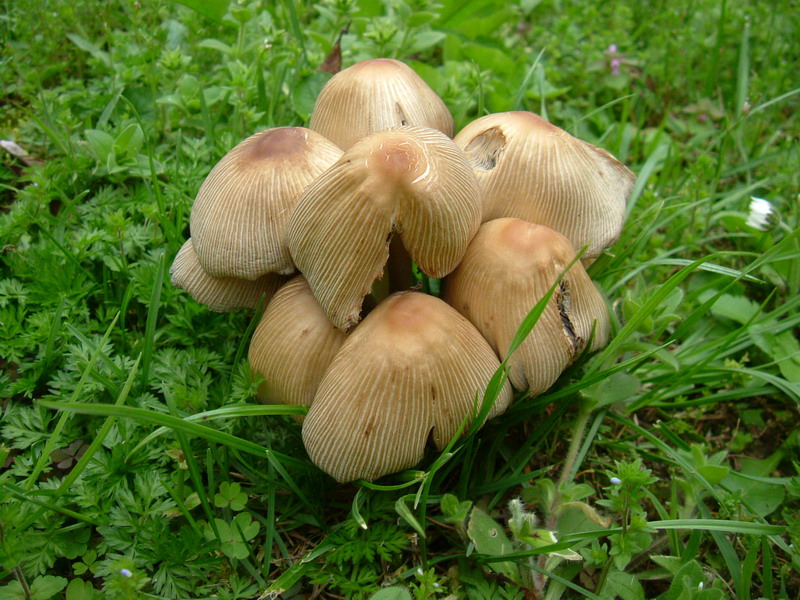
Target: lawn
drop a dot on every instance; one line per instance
(136, 460)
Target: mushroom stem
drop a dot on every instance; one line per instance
(399, 266)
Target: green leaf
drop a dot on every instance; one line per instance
(763, 498)
(395, 592)
(404, 511)
(129, 142)
(101, 143)
(42, 588)
(714, 473)
(489, 538)
(305, 93)
(424, 40)
(623, 585)
(78, 589)
(620, 387)
(454, 510)
(211, 9)
(89, 47)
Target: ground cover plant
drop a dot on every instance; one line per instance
(135, 461)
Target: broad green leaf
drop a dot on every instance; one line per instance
(391, 593)
(622, 585)
(101, 143)
(211, 9)
(619, 387)
(489, 538)
(763, 498)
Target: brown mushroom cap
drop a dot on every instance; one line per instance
(413, 368)
(509, 266)
(292, 346)
(532, 170)
(239, 217)
(374, 95)
(412, 181)
(220, 294)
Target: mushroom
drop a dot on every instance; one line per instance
(239, 217)
(532, 170)
(512, 264)
(374, 95)
(412, 181)
(413, 368)
(220, 294)
(292, 346)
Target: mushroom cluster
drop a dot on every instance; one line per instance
(330, 224)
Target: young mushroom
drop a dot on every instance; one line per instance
(532, 170)
(412, 369)
(512, 264)
(239, 217)
(292, 346)
(220, 294)
(374, 95)
(410, 181)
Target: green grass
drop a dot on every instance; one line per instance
(134, 459)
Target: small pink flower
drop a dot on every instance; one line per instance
(612, 49)
(703, 117)
(615, 64)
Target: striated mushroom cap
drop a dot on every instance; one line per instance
(292, 346)
(239, 217)
(220, 294)
(413, 368)
(509, 266)
(412, 181)
(374, 95)
(532, 170)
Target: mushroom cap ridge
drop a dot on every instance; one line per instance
(239, 217)
(411, 369)
(292, 346)
(411, 181)
(374, 95)
(512, 264)
(532, 170)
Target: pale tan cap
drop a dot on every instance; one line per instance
(412, 369)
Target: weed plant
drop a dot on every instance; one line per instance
(134, 460)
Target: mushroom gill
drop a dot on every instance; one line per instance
(220, 294)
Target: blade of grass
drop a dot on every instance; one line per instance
(76, 471)
(152, 317)
(55, 437)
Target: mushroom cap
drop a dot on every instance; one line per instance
(374, 95)
(532, 170)
(412, 181)
(511, 264)
(292, 346)
(413, 368)
(239, 217)
(220, 294)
